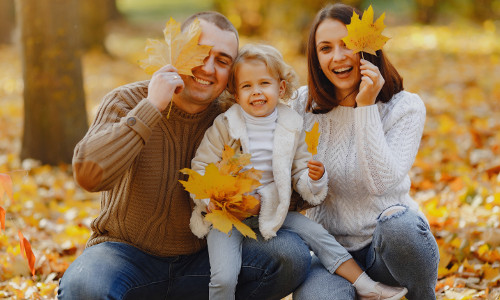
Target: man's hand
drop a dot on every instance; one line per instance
(316, 169)
(163, 85)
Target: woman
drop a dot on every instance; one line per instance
(370, 133)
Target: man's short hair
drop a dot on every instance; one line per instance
(215, 18)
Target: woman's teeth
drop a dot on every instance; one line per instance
(342, 70)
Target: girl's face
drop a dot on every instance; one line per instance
(337, 62)
(257, 90)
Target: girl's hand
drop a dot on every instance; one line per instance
(255, 210)
(371, 84)
(316, 169)
(164, 83)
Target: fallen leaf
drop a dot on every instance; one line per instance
(180, 49)
(27, 252)
(363, 34)
(312, 139)
(5, 187)
(2, 218)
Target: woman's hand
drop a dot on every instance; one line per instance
(164, 83)
(316, 169)
(371, 84)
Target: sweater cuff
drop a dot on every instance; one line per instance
(143, 118)
(367, 115)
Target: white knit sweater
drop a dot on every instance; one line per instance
(367, 152)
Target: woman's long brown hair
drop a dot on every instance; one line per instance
(321, 98)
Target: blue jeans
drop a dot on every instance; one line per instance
(225, 251)
(403, 252)
(113, 270)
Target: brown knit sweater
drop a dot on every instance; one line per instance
(133, 154)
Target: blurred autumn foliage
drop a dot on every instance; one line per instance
(455, 178)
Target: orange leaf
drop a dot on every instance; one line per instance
(363, 34)
(27, 252)
(232, 162)
(5, 187)
(180, 49)
(312, 139)
(227, 188)
(2, 218)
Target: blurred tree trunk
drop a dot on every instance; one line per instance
(483, 10)
(93, 19)
(7, 21)
(55, 118)
(426, 11)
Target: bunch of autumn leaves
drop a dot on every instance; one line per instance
(227, 183)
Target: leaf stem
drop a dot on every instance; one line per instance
(170, 108)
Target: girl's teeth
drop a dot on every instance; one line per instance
(259, 102)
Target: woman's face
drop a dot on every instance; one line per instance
(337, 62)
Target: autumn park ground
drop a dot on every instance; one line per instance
(455, 178)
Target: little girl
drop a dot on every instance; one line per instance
(272, 133)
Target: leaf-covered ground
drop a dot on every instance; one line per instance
(455, 177)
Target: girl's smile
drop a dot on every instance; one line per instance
(257, 90)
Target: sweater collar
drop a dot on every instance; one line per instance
(177, 113)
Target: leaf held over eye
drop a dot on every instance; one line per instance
(312, 139)
(180, 49)
(363, 34)
(227, 187)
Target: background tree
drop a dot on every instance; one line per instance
(6, 21)
(55, 117)
(94, 17)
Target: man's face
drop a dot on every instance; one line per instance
(211, 78)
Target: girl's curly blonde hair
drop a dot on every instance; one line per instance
(273, 59)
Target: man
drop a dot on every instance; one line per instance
(141, 245)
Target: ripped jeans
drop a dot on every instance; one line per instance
(403, 252)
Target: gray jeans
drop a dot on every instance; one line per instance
(403, 252)
(225, 251)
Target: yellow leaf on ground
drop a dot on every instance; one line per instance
(312, 139)
(180, 49)
(363, 34)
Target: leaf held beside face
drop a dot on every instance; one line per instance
(180, 49)
(363, 34)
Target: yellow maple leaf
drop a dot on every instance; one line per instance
(232, 162)
(180, 49)
(312, 139)
(227, 187)
(363, 34)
